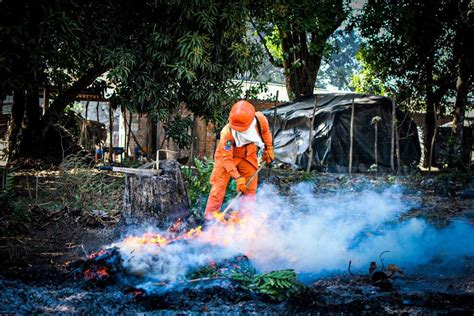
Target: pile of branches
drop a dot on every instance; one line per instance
(88, 189)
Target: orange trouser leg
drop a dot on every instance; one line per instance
(247, 170)
(219, 180)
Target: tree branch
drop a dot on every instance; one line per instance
(273, 61)
(58, 106)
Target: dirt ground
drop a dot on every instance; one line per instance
(36, 267)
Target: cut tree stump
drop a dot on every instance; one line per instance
(156, 199)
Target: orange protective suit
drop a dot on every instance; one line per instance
(235, 162)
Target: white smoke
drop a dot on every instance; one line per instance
(310, 233)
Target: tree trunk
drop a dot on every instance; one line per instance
(301, 68)
(18, 111)
(130, 118)
(27, 121)
(39, 136)
(464, 52)
(156, 200)
(430, 126)
(430, 116)
(154, 138)
(392, 138)
(194, 141)
(56, 109)
(111, 132)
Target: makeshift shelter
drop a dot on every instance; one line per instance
(331, 132)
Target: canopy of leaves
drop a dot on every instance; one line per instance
(316, 19)
(409, 45)
(159, 54)
(366, 80)
(294, 35)
(342, 63)
(188, 52)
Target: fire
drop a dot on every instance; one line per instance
(224, 231)
(96, 254)
(90, 274)
(148, 238)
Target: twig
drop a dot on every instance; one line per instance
(381, 260)
(37, 185)
(349, 268)
(204, 279)
(84, 249)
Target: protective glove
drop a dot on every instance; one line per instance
(241, 185)
(268, 155)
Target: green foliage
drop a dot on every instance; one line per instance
(178, 129)
(254, 90)
(295, 34)
(451, 181)
(158, 54)
(373, 168)
(407, 50)
(188, 54)
(239, 265)
(338, 67)
(197, 183)
(366, 80)
(307, 176)
(391, 179)
(278, 285)
(130, 163)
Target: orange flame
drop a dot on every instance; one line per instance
(98, 274)
(226, 229)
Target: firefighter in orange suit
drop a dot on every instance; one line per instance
(236, 154)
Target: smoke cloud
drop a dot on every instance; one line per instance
(311, 233)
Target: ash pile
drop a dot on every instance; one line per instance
(232, 277)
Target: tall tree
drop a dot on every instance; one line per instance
(464, 55)
(409, 45)
(158, 53)
(294, 35)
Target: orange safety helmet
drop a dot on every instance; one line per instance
(241, 116)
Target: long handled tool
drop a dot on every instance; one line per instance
(246, 185)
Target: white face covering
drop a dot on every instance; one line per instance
(248, 136)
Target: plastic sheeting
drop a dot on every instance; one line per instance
(331, 132)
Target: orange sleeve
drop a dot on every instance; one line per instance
(266, 133)
(225, 152)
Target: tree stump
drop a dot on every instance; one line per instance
(156, 199)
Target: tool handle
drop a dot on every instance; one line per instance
(109, 168)
(246, 185)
